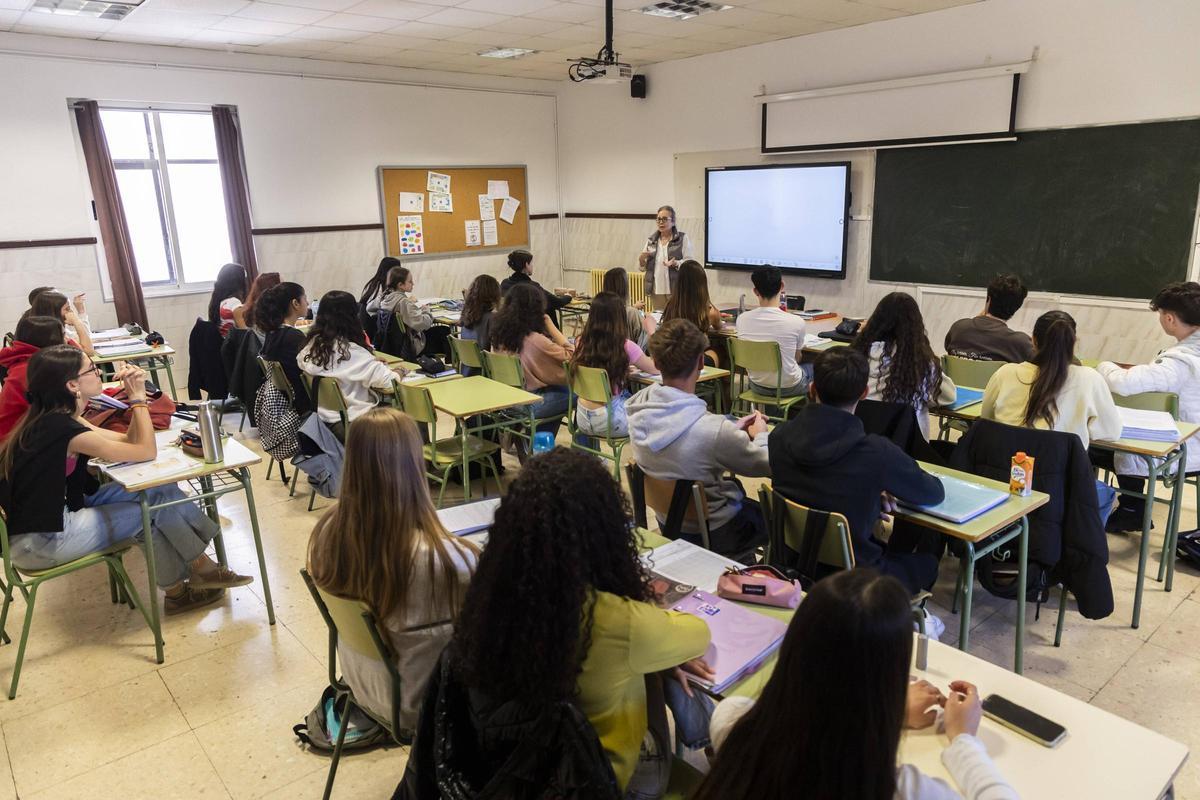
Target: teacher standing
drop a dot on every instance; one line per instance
(665, 250)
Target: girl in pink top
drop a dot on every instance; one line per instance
(604, 344)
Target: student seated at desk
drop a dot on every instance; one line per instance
(674, 437)
(57, 514)
(243, 315)
(336, 349)
(228, 295)
(418, 322)
(559, 609)
(837, 703)
(770, 323)
(521, 264)
(641, 324)
(53, 304)
(690, 301)
(824, 459)
(605, 344)
(521, 327)
(395, 556)
(903, 366)
(276, 313)
(374, 288)
(987, 337)
(1177, 370)
(480, 303)
(32, 334)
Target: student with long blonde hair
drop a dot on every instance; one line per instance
(383, 544)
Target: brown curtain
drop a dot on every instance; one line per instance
(114, 232)
(237, 191)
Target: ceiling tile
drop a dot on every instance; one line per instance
(578, 33)
(357, 50)
(487, 36)
(425, 30)
(127, 27)
(289, 46)
(843, 11)
(217, 36)
(8, 18)
(463, 18)
(14, 5)
(319, 33)
(393, 41)
(273, 12)
(117, 35)
(319, 5)
(198, 6)
(257, 26)
(357, 22)
(919, 6)
(165, 16)
(528, 26)
(398, 9)
(58, 25)
(514, 7)
(447, 47)
(619, 5)
(571, 12)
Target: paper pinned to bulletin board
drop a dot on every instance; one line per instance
(503, 223)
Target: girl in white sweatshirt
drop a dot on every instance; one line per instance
(835, 707)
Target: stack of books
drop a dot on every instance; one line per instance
(1155, 426)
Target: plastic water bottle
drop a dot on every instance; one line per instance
(210, 433)
(741, 303)
(543, 442)
(783, 301)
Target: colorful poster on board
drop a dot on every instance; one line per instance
(439, 201)
(411, 236)
(437, 182)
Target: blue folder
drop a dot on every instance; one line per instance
(964, 500)
(966, 397)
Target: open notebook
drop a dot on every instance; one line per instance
(964, 500)
(741, 639)
(686, 563)
(469, 518)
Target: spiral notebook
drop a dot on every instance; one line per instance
(741, 639)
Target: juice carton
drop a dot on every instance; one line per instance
(1021, 476)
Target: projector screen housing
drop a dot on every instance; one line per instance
(792, 216)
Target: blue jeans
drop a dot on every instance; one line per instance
(791, 391)
(594, 421)
(549, 413)
(1105, 494)
(692, 714)
(111, 515)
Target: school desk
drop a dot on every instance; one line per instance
(154, 359)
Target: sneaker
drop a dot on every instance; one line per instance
(1122, 520)
(219, 578)
(190, 598)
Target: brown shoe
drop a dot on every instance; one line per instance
(190, 598)
(219, 578)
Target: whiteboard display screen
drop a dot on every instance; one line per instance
(792, 216)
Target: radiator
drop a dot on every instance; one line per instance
(637, 287)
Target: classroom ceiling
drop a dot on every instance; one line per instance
(448, 34)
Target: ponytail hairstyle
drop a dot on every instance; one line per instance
(375, 285)
(230, 282)
(46, 389)
(395, 277)
(273, 306)
(1054, 340)
(518, 260)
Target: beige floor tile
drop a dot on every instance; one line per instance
(371, 774)
(1181, 631)
(8, 789)
(175, 768)
(48, 747)
(254, 750)
(226, 681)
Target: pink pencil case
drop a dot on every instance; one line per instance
(762, 584)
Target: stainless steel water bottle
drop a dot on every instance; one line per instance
(210, 432)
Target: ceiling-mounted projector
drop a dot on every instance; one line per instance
(606, 66)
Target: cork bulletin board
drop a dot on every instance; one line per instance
(442, 233)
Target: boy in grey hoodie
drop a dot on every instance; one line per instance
(674, 437)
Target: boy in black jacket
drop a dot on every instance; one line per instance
(823, 458)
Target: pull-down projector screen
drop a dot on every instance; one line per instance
(792, 216)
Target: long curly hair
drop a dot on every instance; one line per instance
(262, 283)
(602, 343)
(912, 372)
(690, 300)
(336, 327)
(483, 295)
(562, 533)
(523, 312)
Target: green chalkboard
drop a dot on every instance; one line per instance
(1096, 211)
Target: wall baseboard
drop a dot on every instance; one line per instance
(366, 226)
(13, 245)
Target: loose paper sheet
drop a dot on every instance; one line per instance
(412, 202)
(491, 236)
(437, 182)
(441, 202)
(411, 235)
(487, 209)
(497, 190)
(508, 209)
(474, 235)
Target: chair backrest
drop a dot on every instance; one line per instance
(968, 371)
(678, 501)
(466, 352)
(756, 356)
(273, 371)
(416, 402)
(328, 394)
(801, 538)
(504, 368)
(1150, 401)
(590, 383)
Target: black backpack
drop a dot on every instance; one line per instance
(319, 730)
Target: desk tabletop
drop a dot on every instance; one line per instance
(172, 465)
(987, 523)
(706, 374)
(154, 352)
(476, 394)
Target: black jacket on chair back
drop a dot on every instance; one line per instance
(897, 422)
(1065, 536)
(206, 371)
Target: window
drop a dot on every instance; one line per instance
(170, 182)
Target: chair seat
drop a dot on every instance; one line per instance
(751, 396)
(82, 561)
(450, 451)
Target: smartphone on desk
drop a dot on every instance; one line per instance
(1023, 721)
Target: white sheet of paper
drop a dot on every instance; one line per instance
(497, 190)
(508, 209)
(410, 235)
(474, 235)
(487, 209)
(439, 201)
(412, 202)
(437, 182)
(491, 237)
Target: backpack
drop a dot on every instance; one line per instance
(319, 730)
(998, 574)
(278, 423)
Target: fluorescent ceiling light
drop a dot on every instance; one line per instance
(101, 9)
(682, 9)
(506, 52)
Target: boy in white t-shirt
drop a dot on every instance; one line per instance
(770, 323)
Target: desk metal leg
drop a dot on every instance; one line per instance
(464, 434)
(1144, 550)
(1171, 537)
(152, 578)
(244, 477)
(967, 574)
(168, 362)
(1022, 570)
(210, 507)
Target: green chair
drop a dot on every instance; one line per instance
(445, 454)
(273, 372)
(328, 397)
(29, 580)
(967, 372)
(591, 384)
(467, 353)
(677, 501)
(356, 626)
(744, 356)
(507, 369)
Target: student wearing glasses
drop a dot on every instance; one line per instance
(665, 250)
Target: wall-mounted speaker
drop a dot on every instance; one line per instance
(637, 87)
